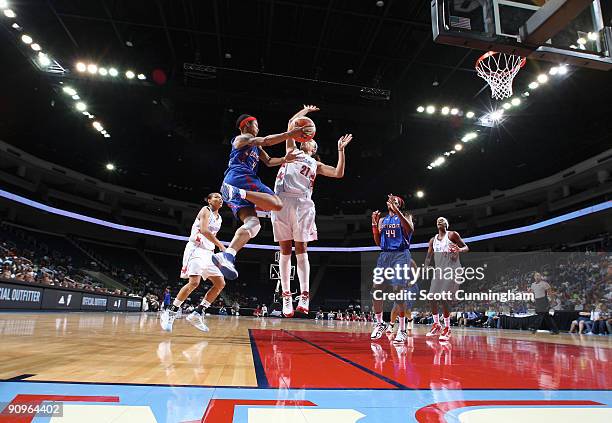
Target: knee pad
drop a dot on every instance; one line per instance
(252, 226)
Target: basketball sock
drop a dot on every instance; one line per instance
(436, 319)
(303, 271)
(231, 251)
(447, 322)
(177, 302)
(284, 264)
(202, 306)
(242, 193)
(402, 323)
(379, 317)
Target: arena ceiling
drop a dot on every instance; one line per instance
(267, 58)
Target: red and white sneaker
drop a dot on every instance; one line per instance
(303, 303)
(435, 330)
(287, 304)
(446, 334)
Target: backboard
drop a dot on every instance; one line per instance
(561, 31)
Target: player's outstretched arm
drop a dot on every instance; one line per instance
(338, 171)
(456, 239)
(277, 161)
(376, 227)
(204, 217)
(247, 140)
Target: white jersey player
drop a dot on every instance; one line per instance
(444, 248)
(198, 264)
(295, 222)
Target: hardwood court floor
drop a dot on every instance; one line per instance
(131, 348)
(121, 368)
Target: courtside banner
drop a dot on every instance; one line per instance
(116, 304)
(134, 304)
(94, 302)
(20, 296)
(55, 299)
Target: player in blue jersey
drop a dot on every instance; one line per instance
(393, 234)
(242, 190)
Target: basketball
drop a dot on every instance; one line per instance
(301, 122)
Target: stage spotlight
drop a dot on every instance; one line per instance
(445, 110)
(542, 78)
(439, 161)
(130, 75)
(3, 4)
(496, 115)
(506, 106)
(420, 194)
(92, 68)
(81, 107)
(454, 111)
(593, 36)
(458, 147)
(9, 13)
(113, 72)
(26, 39)
(16, 26)
(76, 97)
(469, 115)
(554, 70)
(515, 101)
(141, 76)
(110, 166)
(533, 85)
(431, 109)
(43, 59)
(103, 71)
(469, 136)
(562, 70)
(35, 47)
(69, 91)
(420, 109)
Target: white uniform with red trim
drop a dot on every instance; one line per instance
(294, 183)
(197, 258)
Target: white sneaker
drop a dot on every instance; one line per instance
(409, 324)
(378, 330)
(196, 320)
(167, 319)
(401, 337)
(287, 304)
(303, 303)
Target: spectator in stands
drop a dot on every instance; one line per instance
(236, 308)
(264, 311)
(223, 311)
(600, 326)
(580, 322)
(257, 311)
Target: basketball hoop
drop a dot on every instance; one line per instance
(499, 70)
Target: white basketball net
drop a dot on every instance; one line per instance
(499, 70)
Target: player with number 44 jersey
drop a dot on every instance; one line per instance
(295, 222)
